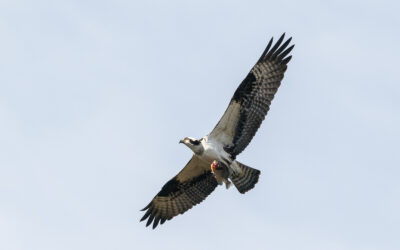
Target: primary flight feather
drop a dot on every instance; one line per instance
(215, 154)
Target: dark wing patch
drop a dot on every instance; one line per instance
(176, 197)
(252, 99)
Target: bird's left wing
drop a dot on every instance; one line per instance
(187, 189)
(251, 100)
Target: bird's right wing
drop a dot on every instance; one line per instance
(252, 99)
(187, 189)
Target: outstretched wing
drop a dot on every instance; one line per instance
(251, 100)
(187, 189)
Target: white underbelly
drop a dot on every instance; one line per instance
(211, 155)
(213, 152)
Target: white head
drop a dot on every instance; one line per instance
(194, 144)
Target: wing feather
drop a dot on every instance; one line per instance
(187, 189)
(252, 99)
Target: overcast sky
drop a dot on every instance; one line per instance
(95, 95)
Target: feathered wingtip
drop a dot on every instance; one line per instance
(146, 207)
(278, 51)
(152, 217)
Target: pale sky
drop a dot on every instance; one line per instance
(95, 95)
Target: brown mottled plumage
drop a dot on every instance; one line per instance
(236, 128)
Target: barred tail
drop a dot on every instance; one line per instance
(245, 180)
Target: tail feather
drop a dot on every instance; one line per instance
(245, 180)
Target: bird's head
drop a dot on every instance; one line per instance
(194, 144)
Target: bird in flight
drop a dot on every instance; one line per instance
(217, 151)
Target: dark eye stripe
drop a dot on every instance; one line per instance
(195, 142)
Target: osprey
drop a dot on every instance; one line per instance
(214, 158)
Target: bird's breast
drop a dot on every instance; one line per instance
(214, 151)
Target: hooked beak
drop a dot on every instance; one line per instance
(181, 141)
